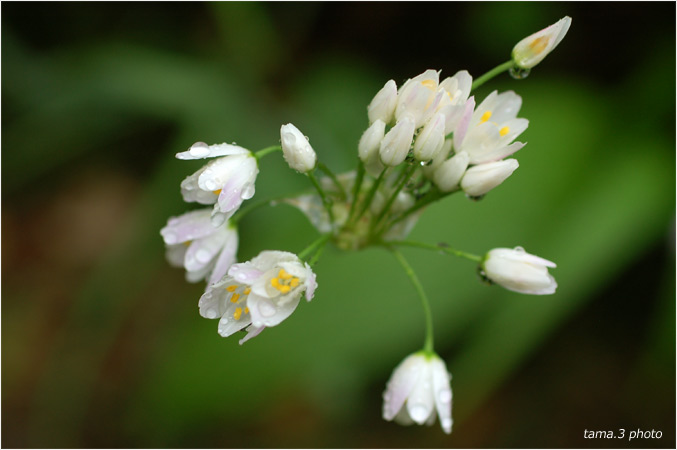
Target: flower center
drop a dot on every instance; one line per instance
(238, 298)
(538, 45)
(284, 282)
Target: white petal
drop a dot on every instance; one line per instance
(403, 380)
(227, 258)
(187, 227)
(421, 403)
(267, 312)
(252, 332)
(442, 393)
(201, 150)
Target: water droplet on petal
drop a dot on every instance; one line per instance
(170, 238)
(266, 309)
(199, 150)
(210, 185)
(418, 413)
(444, 396)
(211, 314)
(203, 256)
(518, 73)
(520, 249)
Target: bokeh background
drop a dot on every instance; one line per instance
(102, 345)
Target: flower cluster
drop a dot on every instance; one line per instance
(426, 140)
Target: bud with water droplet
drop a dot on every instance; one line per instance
(431, 139)
(296, 149)
(480, 179)
(418, 391)
(531, 50)
(397, 142)
(519, 271)
(368, 148)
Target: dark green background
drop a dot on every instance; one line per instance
(102, 345)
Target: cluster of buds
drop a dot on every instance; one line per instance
(426, 140)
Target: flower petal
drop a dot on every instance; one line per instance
(266, 312)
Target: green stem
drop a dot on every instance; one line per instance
(313, 245)
(438, 247)
(394, 195)
(325, 200)
(356, 188)
(492, 73)
(317, 254)
(331, 175)
(427, 199)
(428, 343)
(261, 153)
(370, 195)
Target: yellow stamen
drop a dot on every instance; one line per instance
(451, 97)
(217, 192)
(294, 282)
(540, 44)
(503, 131)
(430, 84)
(237, 314)
(246, 310)
(284, 275)
(231, 288)
(234, 298)
(283, 288)
(247, 291)
(486, 116)
(187, 243)
(275, 283)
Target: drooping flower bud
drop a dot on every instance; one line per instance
(519, 271)
(296, 149)
(531, 50)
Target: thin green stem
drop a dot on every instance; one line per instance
(492, 73)
(261, 153)
(331, 175)
(325, 200)
(314, 245)
(406, 174)
(428, 343)
(430, 197)
(356, 188)
(439, 247)
(370, 195)
(317, 254)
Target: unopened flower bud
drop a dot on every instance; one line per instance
(396, 144)
(418, 98)
(519, 271)
(480, 179)
(296, 149)
(431, 139)
(382, 107)
(531, 50)
(368, 148)
(447, 176)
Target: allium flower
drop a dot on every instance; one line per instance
(454, 94)
(258, 294)
(531, 50)
(478, 180)
(397, 142)
(448, 174)
(382, 107)
(431, 139)
(418, 391)
(492, 128)
(417, 98)
(225, 182)
(296, 149)
(205, 251)
(519, 271)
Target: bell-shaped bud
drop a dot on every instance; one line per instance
(418, 98)
(296, 149)
(480, 179)
(519, 271)
(531, 50)
(368, 148)
(447, 176)
(430, 141)
(397, 142)
(382, 107)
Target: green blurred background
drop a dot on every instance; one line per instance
(102, 344)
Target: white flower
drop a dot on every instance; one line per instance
(225, 182)
(478, 180)
(368, 148)
(205, 251)
(418, 98)
(418, 391)
(519, 271)
(296, 149)
(531, 50)
(448, 174)
(382, 107)
(487, 136)
(258, 294)
(397, 142)
(431, 139)
(455, 91)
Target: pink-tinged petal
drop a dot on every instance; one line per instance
(187, 227)
(267, 312)
(202, 252)
(252, 332)
(200, 150)
(213, 303)
(245, 273)
(464, 123)
(175, 254)
(403, 380)
(227, 258)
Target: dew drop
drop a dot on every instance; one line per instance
(444, 396)
(199, 149)
(266, 309)
(518, 73)
(210, 185)
(170, 238)
(520, 249)
(203, 256)
(211, 314)
(418, 413)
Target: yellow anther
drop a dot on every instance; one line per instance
(237, 314)
(231, 288)
(187, 243)
(246, 310)
(540, 44)
(503, 131)
(283, 288)
(451, 97)
(294, 282)
(430, 84)
(284, 275)
(234, 298)
(247, 291)
(275, 283)
(217, 192)
(486, 116)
